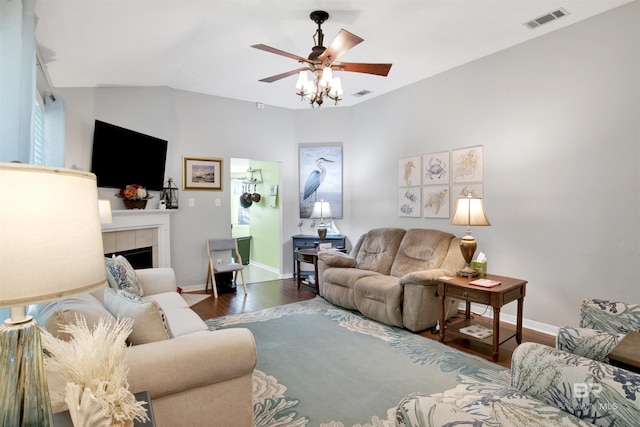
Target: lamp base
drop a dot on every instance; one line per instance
(322, 233)
(24, 395)
(467, 271)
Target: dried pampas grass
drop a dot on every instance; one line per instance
(95, 359)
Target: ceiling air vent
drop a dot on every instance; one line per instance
(545, 19)
(362, 93)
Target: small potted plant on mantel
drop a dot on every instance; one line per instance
(134, 196)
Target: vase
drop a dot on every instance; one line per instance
(134, 204)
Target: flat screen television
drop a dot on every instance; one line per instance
(121, 157)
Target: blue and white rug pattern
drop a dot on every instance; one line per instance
(320, 365)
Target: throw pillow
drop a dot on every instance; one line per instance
(51, 315)
(132, 279)
(121, 275)
(149, 319)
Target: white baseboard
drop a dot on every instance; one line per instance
(487, 311)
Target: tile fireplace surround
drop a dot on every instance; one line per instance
(140, 228)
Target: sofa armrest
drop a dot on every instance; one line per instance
(336, 259)
(426, 277)
(593, 391)
(191, 361)
(156, 280)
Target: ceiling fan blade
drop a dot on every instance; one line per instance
(357, 67)
(282, 76)
(280, 52)
(342, 43)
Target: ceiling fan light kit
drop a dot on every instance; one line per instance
(321, 61)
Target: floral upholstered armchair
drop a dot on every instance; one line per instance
(602, 325)
(549, 387)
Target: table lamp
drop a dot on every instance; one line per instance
(51, 248)
(321, 210)
(469, 211)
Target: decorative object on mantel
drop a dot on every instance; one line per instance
(170, 195)
(469, 211)
(134, 196)
(51, 248)
(93, 365)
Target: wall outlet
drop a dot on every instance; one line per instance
(218, 261)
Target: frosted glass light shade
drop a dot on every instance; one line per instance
(302, 81)
(51, 235)
(327, 77)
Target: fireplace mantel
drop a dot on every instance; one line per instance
(139, 219)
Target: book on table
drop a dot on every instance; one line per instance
(486, 283)
(477, 331)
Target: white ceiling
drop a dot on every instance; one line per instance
(204, 45)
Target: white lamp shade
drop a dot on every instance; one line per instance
(469, 211)
(321, 210)
(51, 236)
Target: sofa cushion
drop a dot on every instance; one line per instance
(122, 276)
(380, 298)
(51, 315)
(377, 249)
(149, 320)
(420, 249)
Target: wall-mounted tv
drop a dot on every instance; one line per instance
(121, 157)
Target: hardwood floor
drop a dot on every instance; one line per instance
(279, 292)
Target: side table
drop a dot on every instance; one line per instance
(310, 256)
(459, 288)
(626, 354)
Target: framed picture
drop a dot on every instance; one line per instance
(409, 201)
(320, 177)
(467, 165)
(201, 173)
(435, 168)
(409, 171)
(436, 201)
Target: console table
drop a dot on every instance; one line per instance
(303, 241)
(459, 288)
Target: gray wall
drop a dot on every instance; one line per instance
(558, 117)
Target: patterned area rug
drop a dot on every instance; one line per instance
(320, 365)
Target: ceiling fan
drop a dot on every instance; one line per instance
(322, 59)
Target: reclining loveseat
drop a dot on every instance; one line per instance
(390, 275)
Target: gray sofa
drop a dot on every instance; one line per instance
(194, 377)
(549, 387)
(390, 273)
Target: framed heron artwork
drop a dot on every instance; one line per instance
(320, 177)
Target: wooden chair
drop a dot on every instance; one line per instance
(222, 250)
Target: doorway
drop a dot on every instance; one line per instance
(256, 217)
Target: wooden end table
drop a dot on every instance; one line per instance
(459, 288)
(310, 256)
(626, 354)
